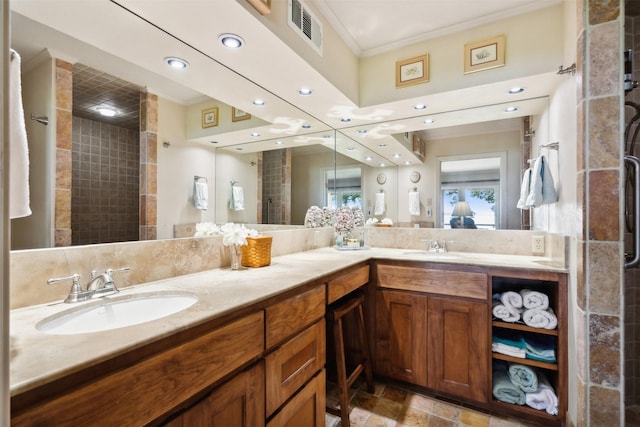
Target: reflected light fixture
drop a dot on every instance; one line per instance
(255, 134)
(177, 63)
(306, 126)
(511, 109)
(258, 102)
(368, 158)
(396, 155)
(429, 121)
(305, 91)
(345, 120)
(278, 142)
(419, 107)
(107, 111)
(461, 209)
(515, 90)
(231, 41)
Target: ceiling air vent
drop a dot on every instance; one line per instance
(305, 24)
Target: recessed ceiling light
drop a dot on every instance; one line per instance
(255, 134)
(407, 162)
(362, 131)
(213, 142)
(368, 158)
(381, 165)
(429, 121)
(239, 149)
(419, 107)
(177, 63)
(327, 136)
(107, 111)
(510, 109)
(396, 155)
(305, 91)
(258, 102)
(382, 145)
(345, 120)
(351, 148)
(517, 89)
(306, 126)
(231, 41)
(278, 142)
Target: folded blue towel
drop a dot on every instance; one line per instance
(541, 347)
(523, 377)
(510, 338)
(503, 389)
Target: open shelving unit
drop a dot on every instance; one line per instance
(555, 286)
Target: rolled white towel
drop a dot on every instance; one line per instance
(544, 397)
(505, 313)
(538, 318)
(534, 299)
(512, 300)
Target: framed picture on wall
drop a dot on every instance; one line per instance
(238, 115)
(210, 117)
(484, 54)
(412, 71)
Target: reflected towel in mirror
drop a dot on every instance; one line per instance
(237, 198)
(542, 190)
(378, 208)
(201, 195)
(414, 203)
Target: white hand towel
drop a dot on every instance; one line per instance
(503, 313)
(512, 300)
(538, 318)
(378, 208)
(542, 189)
(201, 195)
(237, 198)
(414, 203)
(18, 149)
(524, 190)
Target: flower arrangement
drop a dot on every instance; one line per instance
(236, 234)
(206, 229)
(344, 221)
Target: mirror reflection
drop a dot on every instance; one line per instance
(278, 183)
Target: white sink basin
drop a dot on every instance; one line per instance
(114, 313)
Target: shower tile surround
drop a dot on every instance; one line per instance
(105, 182)
(161, 259)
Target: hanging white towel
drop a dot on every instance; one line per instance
(524, 189)
(378, 207)
(237, 198)
(18, 149)
(201, 195)
(414, 203)
(542, 189)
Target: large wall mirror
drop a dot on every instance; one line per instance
(322, 165)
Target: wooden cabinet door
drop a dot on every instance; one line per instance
(306, 408)
(237, 403)
(401, 336)
(458, 348)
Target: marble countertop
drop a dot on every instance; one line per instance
(37, 358)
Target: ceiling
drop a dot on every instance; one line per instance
(367, 26)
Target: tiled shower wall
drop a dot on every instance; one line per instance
(276, 187)
(632, 276)
(105, 182)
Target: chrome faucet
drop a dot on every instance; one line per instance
(99, 286)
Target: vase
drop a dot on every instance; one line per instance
(236, 256)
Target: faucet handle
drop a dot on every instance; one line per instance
(109, 271)
(76, 289)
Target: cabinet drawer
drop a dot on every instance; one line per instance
(307, 408)
(293, 364)
(146, 390)
(341, 286)
(445, 282)
(287, 317)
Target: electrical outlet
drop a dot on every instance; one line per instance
(537, 245)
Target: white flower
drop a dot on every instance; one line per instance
(387, 221)
(236, 234)
(372, 220)
(206, 229)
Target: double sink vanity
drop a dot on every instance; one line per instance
(249, 347)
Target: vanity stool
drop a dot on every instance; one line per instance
(335, 313)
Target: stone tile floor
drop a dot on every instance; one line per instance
(393, 406)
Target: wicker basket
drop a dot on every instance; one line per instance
(257, 251)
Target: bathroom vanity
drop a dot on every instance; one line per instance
(252, 351)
